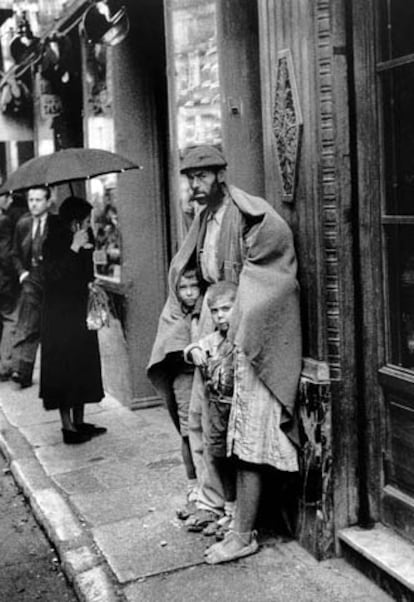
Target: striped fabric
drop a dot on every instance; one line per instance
(254, 434)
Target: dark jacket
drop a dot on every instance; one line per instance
(8, 277)
(70, 362)
(22, 242)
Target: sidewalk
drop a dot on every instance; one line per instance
(109, 505)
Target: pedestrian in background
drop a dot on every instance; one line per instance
(29, 235)
(70, 368)
(9, 289)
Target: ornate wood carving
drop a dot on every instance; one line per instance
(329, 197)
(287, 124)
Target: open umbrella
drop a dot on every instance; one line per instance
(65, 165)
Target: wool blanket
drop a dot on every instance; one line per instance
(266, 318)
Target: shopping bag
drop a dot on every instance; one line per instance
(98, 307)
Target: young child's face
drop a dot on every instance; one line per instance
(188, 291)
(221, 310)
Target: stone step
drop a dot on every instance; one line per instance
(384, 556)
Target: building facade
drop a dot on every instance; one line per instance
(311, 102)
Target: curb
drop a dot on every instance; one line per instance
(85, 570)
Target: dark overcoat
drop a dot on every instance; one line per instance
(8, 275)
(256, 251)
(70, 361)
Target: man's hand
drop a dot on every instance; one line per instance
(23, 276)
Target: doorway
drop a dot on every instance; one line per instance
(384, 85)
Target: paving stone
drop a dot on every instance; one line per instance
(117, 503)
(45, 434)
(138, 547)
(270, 575)
(83, 480)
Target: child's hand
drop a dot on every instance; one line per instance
(199, 357)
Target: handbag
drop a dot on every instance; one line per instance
(98, 313)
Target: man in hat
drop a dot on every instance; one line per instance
(240, 238)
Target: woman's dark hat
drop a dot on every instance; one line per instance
(74, 208)
(203, 156)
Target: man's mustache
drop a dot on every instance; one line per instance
(197, 195)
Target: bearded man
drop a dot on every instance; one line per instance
(240, 238)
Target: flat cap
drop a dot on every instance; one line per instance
(202, 156)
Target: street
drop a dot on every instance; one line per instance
(29, 568)
(109, 508)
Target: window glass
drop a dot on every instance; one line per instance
(398, 95)
(102, 190)
(400, 252)
(399, 28)
(196, 91)
(197, 99)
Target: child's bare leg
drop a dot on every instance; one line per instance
(249, 489)
(227, 472)
(240, 541)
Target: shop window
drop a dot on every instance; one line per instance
(397, 79)
(107, 255)
(400, 260)
(397, 27)
(101, 134)
(196, 102)
(194, 35)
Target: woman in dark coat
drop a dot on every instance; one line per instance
(70, 374)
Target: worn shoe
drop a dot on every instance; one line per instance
(186, 511)
(200, 519)
(234, 545)
(220, 527)
(224, 525)
(74, 437)
(211, 529)
(90, 429)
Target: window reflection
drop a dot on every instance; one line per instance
(398, 94)
(196, 85)
(397, 27)
(196, 73)
(101, 134)
(401, 284)
(107, 255)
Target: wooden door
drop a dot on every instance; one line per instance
(384, 60)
